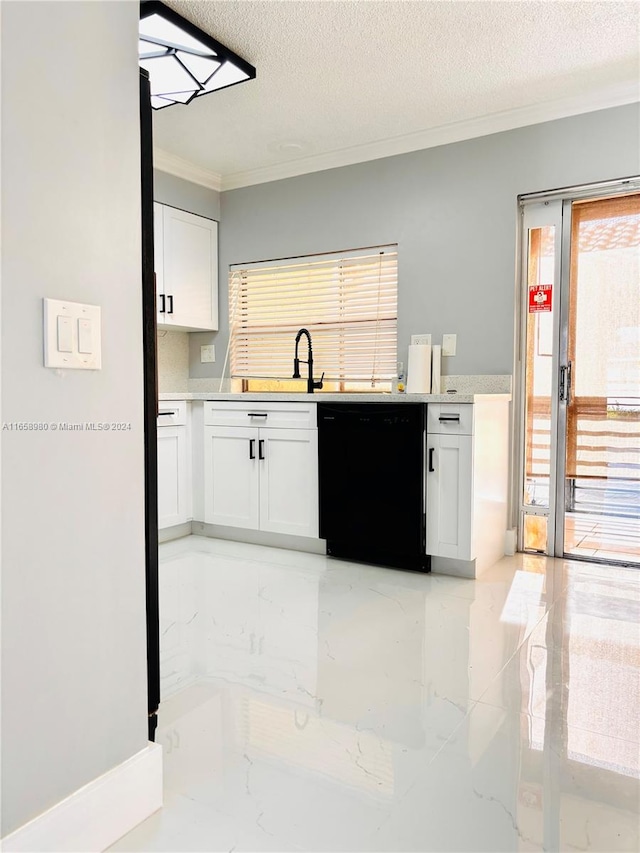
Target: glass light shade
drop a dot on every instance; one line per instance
(148, 48)
(226, 75)
(182, 61)
(160, 103)
(164, 31)
(201, 67)
(180, 97)
(167, 76)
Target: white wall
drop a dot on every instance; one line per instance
(73, 609)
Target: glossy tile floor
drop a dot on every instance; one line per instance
(314, 704)
(602, 537)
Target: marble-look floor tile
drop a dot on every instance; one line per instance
(184, 825)
(316, 704)
(580, 666)
(503, 782)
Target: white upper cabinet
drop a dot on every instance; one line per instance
(186, 266)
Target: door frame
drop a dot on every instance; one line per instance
(549, 213)
(566, 196)
(150, 382)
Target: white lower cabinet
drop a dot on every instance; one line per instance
(449, 521)
(173, 476)
(289, 481)
(261, 478)
(467, 481)
(231, 477)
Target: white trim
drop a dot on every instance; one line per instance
(612, 96)
(454, 567)
(260, 537)
(164, 161)
(98, 814)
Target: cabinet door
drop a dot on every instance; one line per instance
(173, 477)
(231, 477)
(289, 481)
(190, 270)
(158, 259)
(449, 488)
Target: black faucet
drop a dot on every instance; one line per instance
(311, 385)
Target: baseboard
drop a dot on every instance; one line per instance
(455, 567)
(168, 534)
(260, 537)
(510, 542)
(98, 814)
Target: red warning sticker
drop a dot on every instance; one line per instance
(540, 298)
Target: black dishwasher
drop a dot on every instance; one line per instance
(372, 482)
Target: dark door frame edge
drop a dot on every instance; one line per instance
(150, 406)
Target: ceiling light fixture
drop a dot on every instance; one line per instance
(183, 61)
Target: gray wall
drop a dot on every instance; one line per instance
(73, 608)
(168, 189)
(451, 209)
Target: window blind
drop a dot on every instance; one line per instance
(347, 301)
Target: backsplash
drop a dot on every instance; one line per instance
(487, 383)
(173, 361)
(202, 386)
(173, 373)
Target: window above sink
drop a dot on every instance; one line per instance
(348, 302)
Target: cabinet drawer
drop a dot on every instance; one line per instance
(172, 413)
(450, 418)
(273, 415)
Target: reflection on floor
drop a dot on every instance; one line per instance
(314, 704)
(602, 537)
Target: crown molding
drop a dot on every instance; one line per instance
(174, 165)
(612, 96)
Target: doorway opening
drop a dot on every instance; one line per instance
(580, 363)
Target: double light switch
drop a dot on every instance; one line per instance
(72, 335)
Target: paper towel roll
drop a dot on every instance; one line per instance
(419, 378)
(436, 364)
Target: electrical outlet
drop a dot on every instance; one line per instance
(207, 354)
(420, 339)
(449, 344)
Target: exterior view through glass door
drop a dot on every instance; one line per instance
(580, 483)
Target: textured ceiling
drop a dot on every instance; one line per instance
(334, 75)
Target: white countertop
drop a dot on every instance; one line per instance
(277, 397)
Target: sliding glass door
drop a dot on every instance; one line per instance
(540, 330)
(580, 482)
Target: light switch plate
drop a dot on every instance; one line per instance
(421, 339)
(207, 354)
(449, 344)
(71, 317)
(85, 336)
(65, 334)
